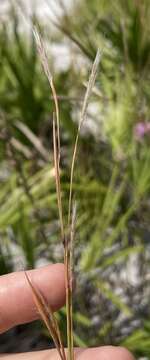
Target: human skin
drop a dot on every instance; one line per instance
(17, 307)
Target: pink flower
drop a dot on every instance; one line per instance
(141, 129)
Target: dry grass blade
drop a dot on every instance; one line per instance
(90, 85)
(48, 317)
(60, 339)
(56, 133)
(68, 301)
(72, 236)
(21, 147)
(57, 177)
(69, 282)
(44, 61)
(33, 139)
(56, 143)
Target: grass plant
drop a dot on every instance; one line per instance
(112, 186)
(67, 230)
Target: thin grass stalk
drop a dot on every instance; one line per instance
(56, 133)
(68, 300)
(69, 282)
(68, 250)
(44, 61)
(60, 339)
(72, 236)
(57, 177)
(66, 241)
(90, 85)
(56, 148)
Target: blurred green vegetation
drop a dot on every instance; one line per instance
(112, 176)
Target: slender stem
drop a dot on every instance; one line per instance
(90, 86)
(57, 177)
(68, 303)
(69, 281)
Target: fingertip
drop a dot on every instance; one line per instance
(52, 283)
(50, 280)
(104, 353)
(124, 353)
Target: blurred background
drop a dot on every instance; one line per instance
(112, 176)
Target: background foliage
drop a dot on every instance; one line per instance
(112, 178)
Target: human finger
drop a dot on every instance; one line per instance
(101, 353)
(16, 301)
